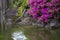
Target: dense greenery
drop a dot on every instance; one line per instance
(21, 5)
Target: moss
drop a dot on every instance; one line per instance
(2, 36)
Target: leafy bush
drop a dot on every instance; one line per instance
(19, 4)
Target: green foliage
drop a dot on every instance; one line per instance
(19, 4)
(21, 8)
(15, 3)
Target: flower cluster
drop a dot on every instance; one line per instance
(43, 10)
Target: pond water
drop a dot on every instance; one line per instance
(26, 33)
(13, 33)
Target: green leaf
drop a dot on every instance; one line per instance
(21, 8)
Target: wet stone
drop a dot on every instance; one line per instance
(25, 21)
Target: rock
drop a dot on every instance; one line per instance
(26, 21)
(9, 22)
(53, 23)
(57, 26)
(47, 26)
(11, 12)
(37, 25)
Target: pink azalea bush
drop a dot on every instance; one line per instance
(43, 10)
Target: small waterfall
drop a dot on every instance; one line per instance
(18, 36)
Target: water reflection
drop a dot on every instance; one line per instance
(18, 36)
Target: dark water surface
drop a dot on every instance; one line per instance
(26, 33)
